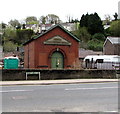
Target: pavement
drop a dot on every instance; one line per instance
(50, 82)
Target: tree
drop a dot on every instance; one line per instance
(95, 24)
(14, 23)
(9, 46)
(98, 36)
(9, 34)
(31, 20)
(43, 19)
(115, 16)
(92, 22)
(115, 28)
(75, 20)
(2, 29)
(84, 20)
(52, 18)
(84, 35)
(107, 32)
(95, 45)
(23, 26)
(3, 25)
(69, 18)
(23, 35)
(107, 19)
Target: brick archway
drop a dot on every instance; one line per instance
(57, 59)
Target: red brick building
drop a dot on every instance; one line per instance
(56, 48)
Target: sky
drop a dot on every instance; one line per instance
(20, 9)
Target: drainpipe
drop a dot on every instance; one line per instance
(28, 55)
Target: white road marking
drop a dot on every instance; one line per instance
(14, 91)
(112, 111)
(19, 97)
(90, 88)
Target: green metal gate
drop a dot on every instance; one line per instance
(57, 60)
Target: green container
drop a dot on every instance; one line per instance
(11, 63)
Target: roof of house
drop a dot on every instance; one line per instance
(57, 25)
(83, 53)
(113, 40)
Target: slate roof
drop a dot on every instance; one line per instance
(83, 53)
(57, 25)
(113, 40)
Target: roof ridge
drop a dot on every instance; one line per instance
(51, 28)
(113, 42)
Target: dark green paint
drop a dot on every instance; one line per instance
(57, 60)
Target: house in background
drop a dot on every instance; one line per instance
(67, 26)
(83, 53)
(34, 27)
(55, 48)
(40, 28)
(70, 26)
(111, 46)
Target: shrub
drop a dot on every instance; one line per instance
(98, 36)
(95, 45)
(9, 46)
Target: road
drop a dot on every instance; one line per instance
(84, 97)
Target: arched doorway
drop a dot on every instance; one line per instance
(57, 60)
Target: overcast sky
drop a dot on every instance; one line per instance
(20, 9)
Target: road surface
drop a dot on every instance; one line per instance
(84, 97)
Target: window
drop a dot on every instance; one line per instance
(87, 61)
(99, 61)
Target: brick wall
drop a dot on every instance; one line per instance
(40, 53)
(56, 74)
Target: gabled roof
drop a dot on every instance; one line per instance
(113, 40)
(57, 25)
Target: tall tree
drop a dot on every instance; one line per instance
(2, 29)
(9, 34)
(15, 23)
(52, 18)
(69, 18)
(31, 20)
(95, 24)
(115, 28)
(3, 25)
(84, 20)
(43, 19)
(115, 16)
(23, 35)
(92, 22)
(8, 39)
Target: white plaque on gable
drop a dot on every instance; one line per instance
(57, 40)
